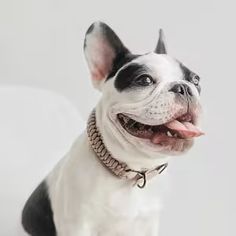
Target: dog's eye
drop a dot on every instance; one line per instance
(195, 80)
(144, 80)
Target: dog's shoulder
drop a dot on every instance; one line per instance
(37, 215)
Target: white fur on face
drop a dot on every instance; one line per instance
(153, 105)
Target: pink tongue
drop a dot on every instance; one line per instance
(184, 129)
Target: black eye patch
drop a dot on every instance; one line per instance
(120, 60)
(126, 76)
(191, 77)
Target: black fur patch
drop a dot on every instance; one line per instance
(186, 72)
(189, 75)
(120, 61)
(125, 77)
(161, 48)
(37, 215)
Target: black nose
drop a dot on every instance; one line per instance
(183, 89)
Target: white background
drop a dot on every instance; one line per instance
(41, 46)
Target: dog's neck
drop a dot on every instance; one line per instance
(117, 168)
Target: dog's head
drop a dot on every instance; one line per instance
(150, 103)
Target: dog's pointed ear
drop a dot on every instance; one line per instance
(161, 47)
(102, 47)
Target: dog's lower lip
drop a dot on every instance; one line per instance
(180, 128)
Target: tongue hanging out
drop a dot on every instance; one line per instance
(184, 129)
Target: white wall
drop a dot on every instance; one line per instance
(41, 46)
(37, 128)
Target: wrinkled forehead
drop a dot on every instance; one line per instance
(161, 66)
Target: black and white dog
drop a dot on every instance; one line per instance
(107, 184)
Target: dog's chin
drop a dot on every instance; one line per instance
(163, 139)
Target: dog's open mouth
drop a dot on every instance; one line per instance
(168, 133)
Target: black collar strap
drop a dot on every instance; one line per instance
(119, 169)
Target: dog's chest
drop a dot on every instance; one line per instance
(85, 198)
(121, 212)
(117, 213)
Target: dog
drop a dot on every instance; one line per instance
(107, 184)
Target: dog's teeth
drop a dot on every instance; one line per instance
(126, 119)
(169, 134)
(175, 135)
(142, 127)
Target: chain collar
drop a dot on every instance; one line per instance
(117, 168)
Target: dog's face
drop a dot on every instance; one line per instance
(150, 103)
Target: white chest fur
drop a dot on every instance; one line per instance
(87, 200)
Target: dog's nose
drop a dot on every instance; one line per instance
(183, 89)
